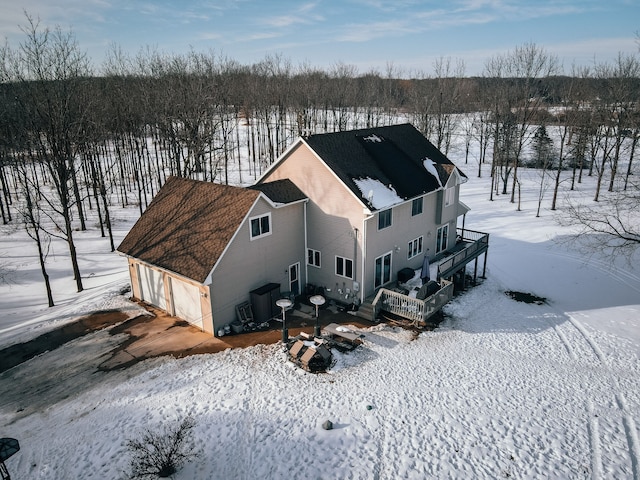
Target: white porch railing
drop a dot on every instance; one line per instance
(411, 308)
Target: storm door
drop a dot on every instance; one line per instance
(294, 278)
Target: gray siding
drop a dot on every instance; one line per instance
(404, 228)
(334, 217)
(248, 264)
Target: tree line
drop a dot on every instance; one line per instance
(73, 140)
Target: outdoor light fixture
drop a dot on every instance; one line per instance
(317, 300)
(284, 303)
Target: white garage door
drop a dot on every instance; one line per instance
(186, 302)
(152, 287)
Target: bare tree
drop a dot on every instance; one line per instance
(517, 103)
(51, 72)
(613, 221)
(32, 221)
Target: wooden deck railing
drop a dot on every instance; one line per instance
(412, 308)
(471, 244)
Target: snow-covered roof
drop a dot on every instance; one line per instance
(384, 166)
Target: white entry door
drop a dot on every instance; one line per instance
(152, 287)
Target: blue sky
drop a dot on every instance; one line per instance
(409, 35)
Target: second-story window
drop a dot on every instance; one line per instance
(260, 226)
(449, 196)
(416, 207)
(384, 219)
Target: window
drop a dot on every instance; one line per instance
(415, 247)
(384, 219)
(260, 226)
(416, 207)
(449, 196)
(313, 257)
(344, 267)
(382, 273)
(441, 238)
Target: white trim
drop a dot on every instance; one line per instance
(314, 257)
(297, 266)
(418, 251)
(390, 210)
(335, 267)
(279, 160)
(443, 247)
(390, 255)
(253, 237)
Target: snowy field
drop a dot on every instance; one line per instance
(502, 389)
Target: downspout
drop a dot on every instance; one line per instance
(306, 246)
(364, 256)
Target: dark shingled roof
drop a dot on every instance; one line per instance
(281, 191)
(393, 155)
(187, 226)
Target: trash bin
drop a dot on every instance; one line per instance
(237, 327)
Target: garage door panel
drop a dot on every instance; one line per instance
(152, 287)
(186, 302)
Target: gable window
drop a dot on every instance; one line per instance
(441, 238)
(344, 267)
(313, 257)
(416, 207)
(415, 247)
(384, 219)
(449, 196)
(260, 226)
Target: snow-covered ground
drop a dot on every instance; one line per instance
(501, 390)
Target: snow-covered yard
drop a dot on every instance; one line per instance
(502, 389)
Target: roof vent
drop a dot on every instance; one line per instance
(370, 196)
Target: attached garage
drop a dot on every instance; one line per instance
(186, 302)
(152, 286)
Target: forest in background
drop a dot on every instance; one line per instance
(73, 140)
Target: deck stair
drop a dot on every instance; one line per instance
(366, 311)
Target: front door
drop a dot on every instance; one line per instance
(294, 278)
(382, 270)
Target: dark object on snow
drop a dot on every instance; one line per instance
(369, 407)
(8, 447)
(310, 354)
(327, 425)
(405, 275)
(526, 297)
(428, 289)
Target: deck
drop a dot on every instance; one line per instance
(469, 246)
(413, 309)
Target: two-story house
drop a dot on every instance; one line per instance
(343, 212)
(379, 200)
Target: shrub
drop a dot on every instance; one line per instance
(161, 453)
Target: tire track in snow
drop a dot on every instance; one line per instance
(628, 421)
(594, 441)
(572, 345)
